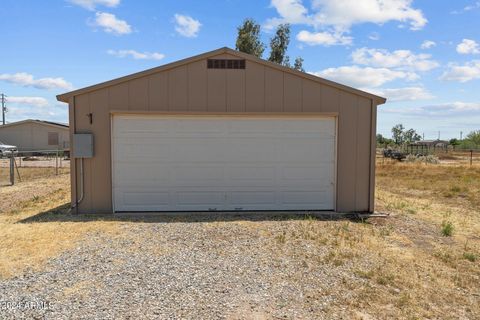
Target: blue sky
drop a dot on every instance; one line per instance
(423, 55)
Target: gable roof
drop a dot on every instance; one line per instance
(43, 122)
(65, 96)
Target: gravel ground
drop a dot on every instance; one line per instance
(187, 270)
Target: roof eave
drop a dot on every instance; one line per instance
(66, 96)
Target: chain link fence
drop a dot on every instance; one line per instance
(30, 165)
(446, 156)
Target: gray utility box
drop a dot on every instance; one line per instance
(82, 145)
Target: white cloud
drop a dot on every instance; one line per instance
(452, 109)
(27, 80)
(136, 55)
(427, 44)
(21, 108)
(468, 46)
(187, 26)
(52, 112)
(462, 73)
(338, 16)
(342, 14)
(402, 94)
(364, 77)
(403, 59)
(374, 36)
(473, 6)
(323, 38)
(91, 4)
(32, 101)
(290, 11)
(345, 13)
(111, 24)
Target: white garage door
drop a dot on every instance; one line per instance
(186, 163)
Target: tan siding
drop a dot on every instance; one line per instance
(224, 56)
(197, 86)
(347, 136)
(178, 89)
(273, 90)
(330, 99)
(259, 88)
(235, 90)
(101, 162)
(216, 90)
(254, 87)
(292, 92)
(118, 97)
(73, 167)
(158, 92)
(373, 146)
(363, 155)
(311, 96)
(138, 94)
(82, 106)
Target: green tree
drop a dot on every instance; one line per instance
(382, 141)
(454, 142)
(279, 44)
(248, 38)
(397, 133)
(474, 137)
(411, 136)
(298, 65)
(286, 62)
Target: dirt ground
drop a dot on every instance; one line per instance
(422, 261)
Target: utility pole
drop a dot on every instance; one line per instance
(461, 134)
(4, 108)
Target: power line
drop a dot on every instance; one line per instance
(4, 107)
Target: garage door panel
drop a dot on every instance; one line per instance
(300, 197)
(145, 198)
(147, 176)
(211, 198)
(249, 173)
(241, 199)
(307, 173)
(221, 163)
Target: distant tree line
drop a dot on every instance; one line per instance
(401, 136)
(248, 41)
(471, 141)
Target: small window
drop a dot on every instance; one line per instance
(225, 64)
(53, 138)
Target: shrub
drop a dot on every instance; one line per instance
(470, 256)
(447, 229)
(411, 158)
(427, 159)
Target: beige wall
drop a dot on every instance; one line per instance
(258, 88)
(30, 136)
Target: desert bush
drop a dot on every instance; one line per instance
(411, 158)
(470, 256)
(426, 159)
(447, 228)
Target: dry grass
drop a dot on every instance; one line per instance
(30, 245)
(396, 267)
(29, 174)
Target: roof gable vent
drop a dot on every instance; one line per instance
(226, 63)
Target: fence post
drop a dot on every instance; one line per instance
(56, 163)
(12, 170)
(471, 157)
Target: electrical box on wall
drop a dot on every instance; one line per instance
(82, 145)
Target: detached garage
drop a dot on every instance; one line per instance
(222, 131)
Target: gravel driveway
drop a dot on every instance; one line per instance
(187, 270)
